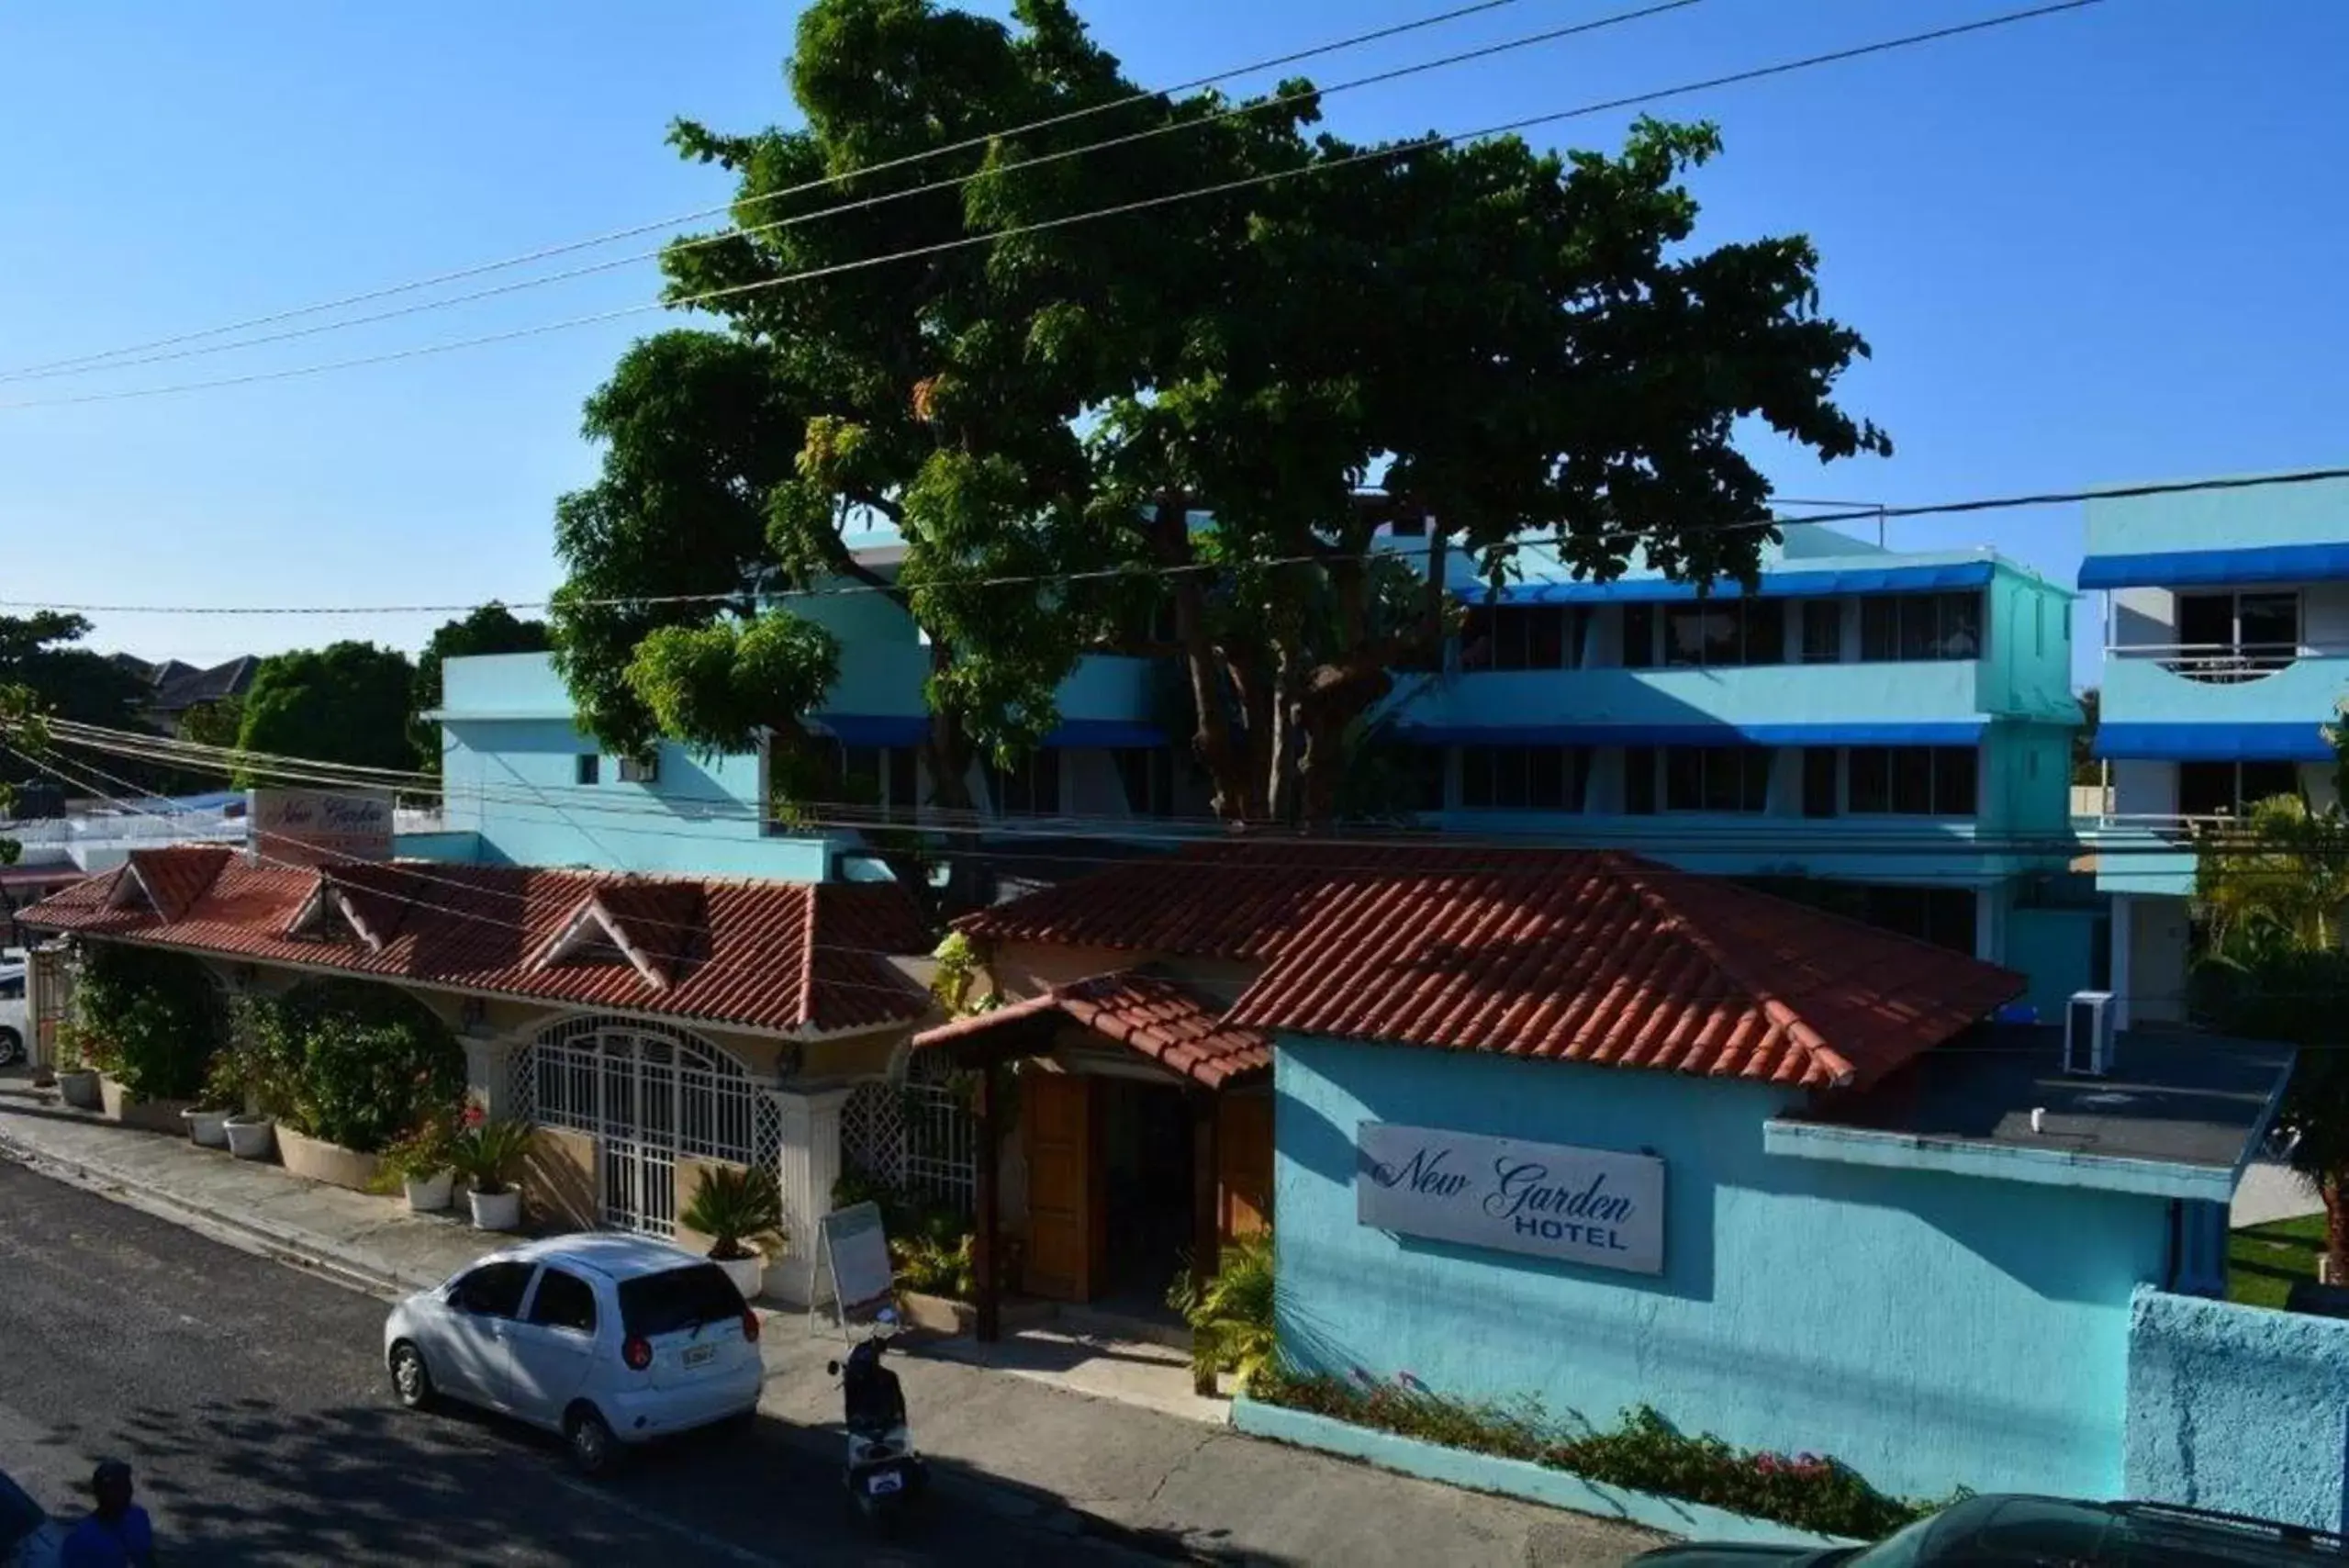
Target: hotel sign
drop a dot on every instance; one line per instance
(305, 827)
(1585, 1206)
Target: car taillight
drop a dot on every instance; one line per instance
(750, 1326)
(637, 1353)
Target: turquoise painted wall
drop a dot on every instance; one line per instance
(2057, 949)
(2139, 690)
(2027, 671)
(2315, 513)
(1929, 1329)
(2238, 1408)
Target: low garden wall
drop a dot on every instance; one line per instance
(2243, 1409)
(319, 1160)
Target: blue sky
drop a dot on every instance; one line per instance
(2101, 246)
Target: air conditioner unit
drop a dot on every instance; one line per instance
(2087, 1033)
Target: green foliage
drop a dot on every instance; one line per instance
(741, 1210)
(959, 968)
(2265, 1261)
(38, 654)
(2087, 771)
(423, 1151)
(2285, 868)
(214, 724)
(1646, 1453)
(1231, 1320)
(491, 1153)
(153, 1019)
(346, 703)
(352, 1063)
(492, 629)
(930, 1246)
(716, 687)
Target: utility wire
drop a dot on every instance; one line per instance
(571, 247)
(1143, 204)
(957, 182)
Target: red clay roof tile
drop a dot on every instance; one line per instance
(780, 955)
(1151, 1013)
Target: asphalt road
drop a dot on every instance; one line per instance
(249, 1397)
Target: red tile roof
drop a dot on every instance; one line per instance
(1573, 955)
(781, 956)
(1151, 1013)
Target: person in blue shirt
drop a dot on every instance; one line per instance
(116, 1534)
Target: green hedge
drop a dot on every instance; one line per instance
(357, 1064)
(152, 1020)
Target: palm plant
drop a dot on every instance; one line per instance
(2285, 867)
(1231, 1318)
(739, 1211)
(489, 1154)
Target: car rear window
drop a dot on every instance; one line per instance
(19, 1515)
(676, 1299)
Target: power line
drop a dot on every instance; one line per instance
(907, 160)
(1550, 35)
(1045, 225)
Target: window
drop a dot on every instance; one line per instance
(1943, 916)
(2039, 625)
(1523, 778)
(2253, 633)
(1428, 767)
(1638, 636)
(493, 1290)
(881, 780)
(1526, 636)
(1822, 622)
(1917, 626)
(1716, 778)
(676, 1300)
(589, 768)
(1147, 774)
(1726, 633)
(641, 770)
(2231, 789)
(1914, 780)
(1822, 779)
(1640, 780)
(563, 1301)
(1029, 788)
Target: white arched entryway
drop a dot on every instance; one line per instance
(647, 1093)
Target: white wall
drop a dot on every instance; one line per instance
(2158, 940)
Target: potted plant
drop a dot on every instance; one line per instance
(742, 1213)
(488, 1154)
(77, 1076)
(419, 1163)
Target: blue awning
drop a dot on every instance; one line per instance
(2194, 568)
(1108, 734)
(875, 729)
(2293, 741)
(1956, 732)
(1912, 578)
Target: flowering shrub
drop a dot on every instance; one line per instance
(1646, 1453)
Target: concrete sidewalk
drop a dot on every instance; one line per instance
(1008, 1426)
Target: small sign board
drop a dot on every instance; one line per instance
(305, 827)
(1584, 1205)
(853, 1254)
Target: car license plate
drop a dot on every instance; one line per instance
(886, 1482)
(699, 1355)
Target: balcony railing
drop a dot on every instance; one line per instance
(2226, 664)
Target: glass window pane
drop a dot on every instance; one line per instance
(563, 1301)
(1638, 636)
(2269, 624)
(1723, 778)
(1700, 635)
(1509, 778)
(1871, 781)
(1044, 769)
(904, 781)
(1476, 638)
(2265, 780)
(1879, 629)
(1754, 777)
(1509, 626)
(1819, 780)
(1476, 777)
(1427, 778)
(1822, 630)
(1912, 780)
(1546, 777)
(1684, 779)
(1955, 780)
(1961, 625)
(1765, 631)
(2205, 621)
(1640, 780)
(1920, 626)
(493, 1290)
(1545, 636)
(2205, 788)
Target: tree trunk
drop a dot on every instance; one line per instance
(1170, 542)
(2336, 1227)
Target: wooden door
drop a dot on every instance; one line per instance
(1067, 1207)
(1244, 1162)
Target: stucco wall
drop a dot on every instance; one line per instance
(1929, 1329)
(2238, 1408)
(559, 1178)
(2057, 948)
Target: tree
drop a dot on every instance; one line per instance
(491, 628)
(1504, 340)
(2087, 771)
(217, 723)
(67, 682)
(23, 728)
(345, 703)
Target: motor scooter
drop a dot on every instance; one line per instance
(885, 1477)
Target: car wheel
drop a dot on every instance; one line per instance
(411, 1380)
(594, 1450)
(12, 1047)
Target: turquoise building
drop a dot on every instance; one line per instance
(1886, 733)
(2226, 651)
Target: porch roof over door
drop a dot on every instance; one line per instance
(1145, 1009)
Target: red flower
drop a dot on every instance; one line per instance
(473, 1116)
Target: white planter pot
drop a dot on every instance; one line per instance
(497, 1211)
(749, 1274)
(209, 1129)
(430, 1195)
(78, 1088)
(252, 1137)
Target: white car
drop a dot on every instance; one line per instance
(15, 1021)
(609, 1340)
